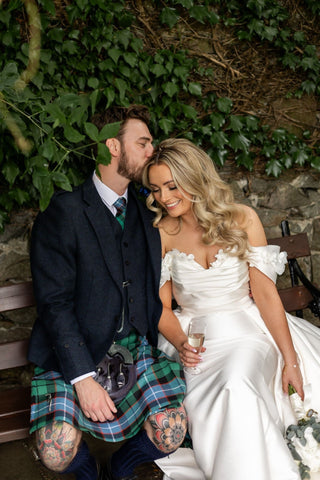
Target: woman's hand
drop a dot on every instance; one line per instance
(291, 374)
(189, 356)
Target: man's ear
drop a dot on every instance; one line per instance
(114, 146)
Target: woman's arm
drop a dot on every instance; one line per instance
(170, 328)
(266, 297)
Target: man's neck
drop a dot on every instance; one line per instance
(112, 179)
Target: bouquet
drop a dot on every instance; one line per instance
(303, 439)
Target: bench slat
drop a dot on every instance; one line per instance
(296, 246)
(13, 354)
(16, 296)
(295, 298)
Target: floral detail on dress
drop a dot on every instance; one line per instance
(268, 259)
(166, 269)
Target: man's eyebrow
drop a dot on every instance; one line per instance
(147, 139)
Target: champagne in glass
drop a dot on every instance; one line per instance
(196, 334)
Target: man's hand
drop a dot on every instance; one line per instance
(94, 400)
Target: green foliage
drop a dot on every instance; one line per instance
(91, 58)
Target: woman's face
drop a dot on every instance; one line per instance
(175, 202)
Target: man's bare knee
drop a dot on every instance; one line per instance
(57, 444)
(167, 429)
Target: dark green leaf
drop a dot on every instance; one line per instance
(92, 131)
(110, 130)
(169, 16)
(73, 135)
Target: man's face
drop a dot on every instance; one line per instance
(136, 149)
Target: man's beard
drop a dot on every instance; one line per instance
(133, 174)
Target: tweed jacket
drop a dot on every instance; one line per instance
(77, 277)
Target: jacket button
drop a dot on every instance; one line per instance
(131, 300)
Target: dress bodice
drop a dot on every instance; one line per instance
(224, 284)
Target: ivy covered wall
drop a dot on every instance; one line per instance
(229, 75)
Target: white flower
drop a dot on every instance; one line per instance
(309, 453)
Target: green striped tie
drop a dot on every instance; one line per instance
(120, 205)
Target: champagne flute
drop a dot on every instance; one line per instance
(196, 334)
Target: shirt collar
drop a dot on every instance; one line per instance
(107, 195)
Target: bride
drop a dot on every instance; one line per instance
(213, 249)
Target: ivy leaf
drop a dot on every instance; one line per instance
(236, 123)
(219, 139)
(181, 72)
(104, 155)
(166, 125)
(315, 163)
(189, 111)
(186, 3)
(93, 82)
(8, 76)
(269, 33)
(10, 172)
(92, 131)
(110, 130)
(124, 36)
(170, 89)
(47, 149)
(62, 181)
(72, 134)
(20, 196)
(224, 104)
(195, 89)
(121, 86)
(114, 53)
(41, 179)
(308, 86)
(217, 120)
(130, 58)
(300, 157)
(158, 70)
(110, 95)
(273, 167)
(199, 12)
(239, 142)
(169, 16)
(268, 150)
(94, 99)
(245, 159)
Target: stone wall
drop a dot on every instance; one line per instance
(295, 196)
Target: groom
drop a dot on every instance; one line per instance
(96, 276)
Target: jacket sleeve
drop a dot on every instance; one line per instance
(53, 264)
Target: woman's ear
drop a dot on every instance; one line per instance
(114, 146)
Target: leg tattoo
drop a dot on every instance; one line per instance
(168, 428)
(57, 444)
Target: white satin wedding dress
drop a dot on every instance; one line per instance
(236, 408)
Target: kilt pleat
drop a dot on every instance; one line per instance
(160, 385)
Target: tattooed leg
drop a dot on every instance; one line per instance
(57, 445)
(167, 429)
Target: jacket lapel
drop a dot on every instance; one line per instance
(152, 236)
(95, 211)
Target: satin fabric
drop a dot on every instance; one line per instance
(236, 407)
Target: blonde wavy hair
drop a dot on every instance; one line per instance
(212, 199)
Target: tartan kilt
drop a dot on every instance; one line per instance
(160, 385)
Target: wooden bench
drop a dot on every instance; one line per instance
(302, 294)
(14, 402)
